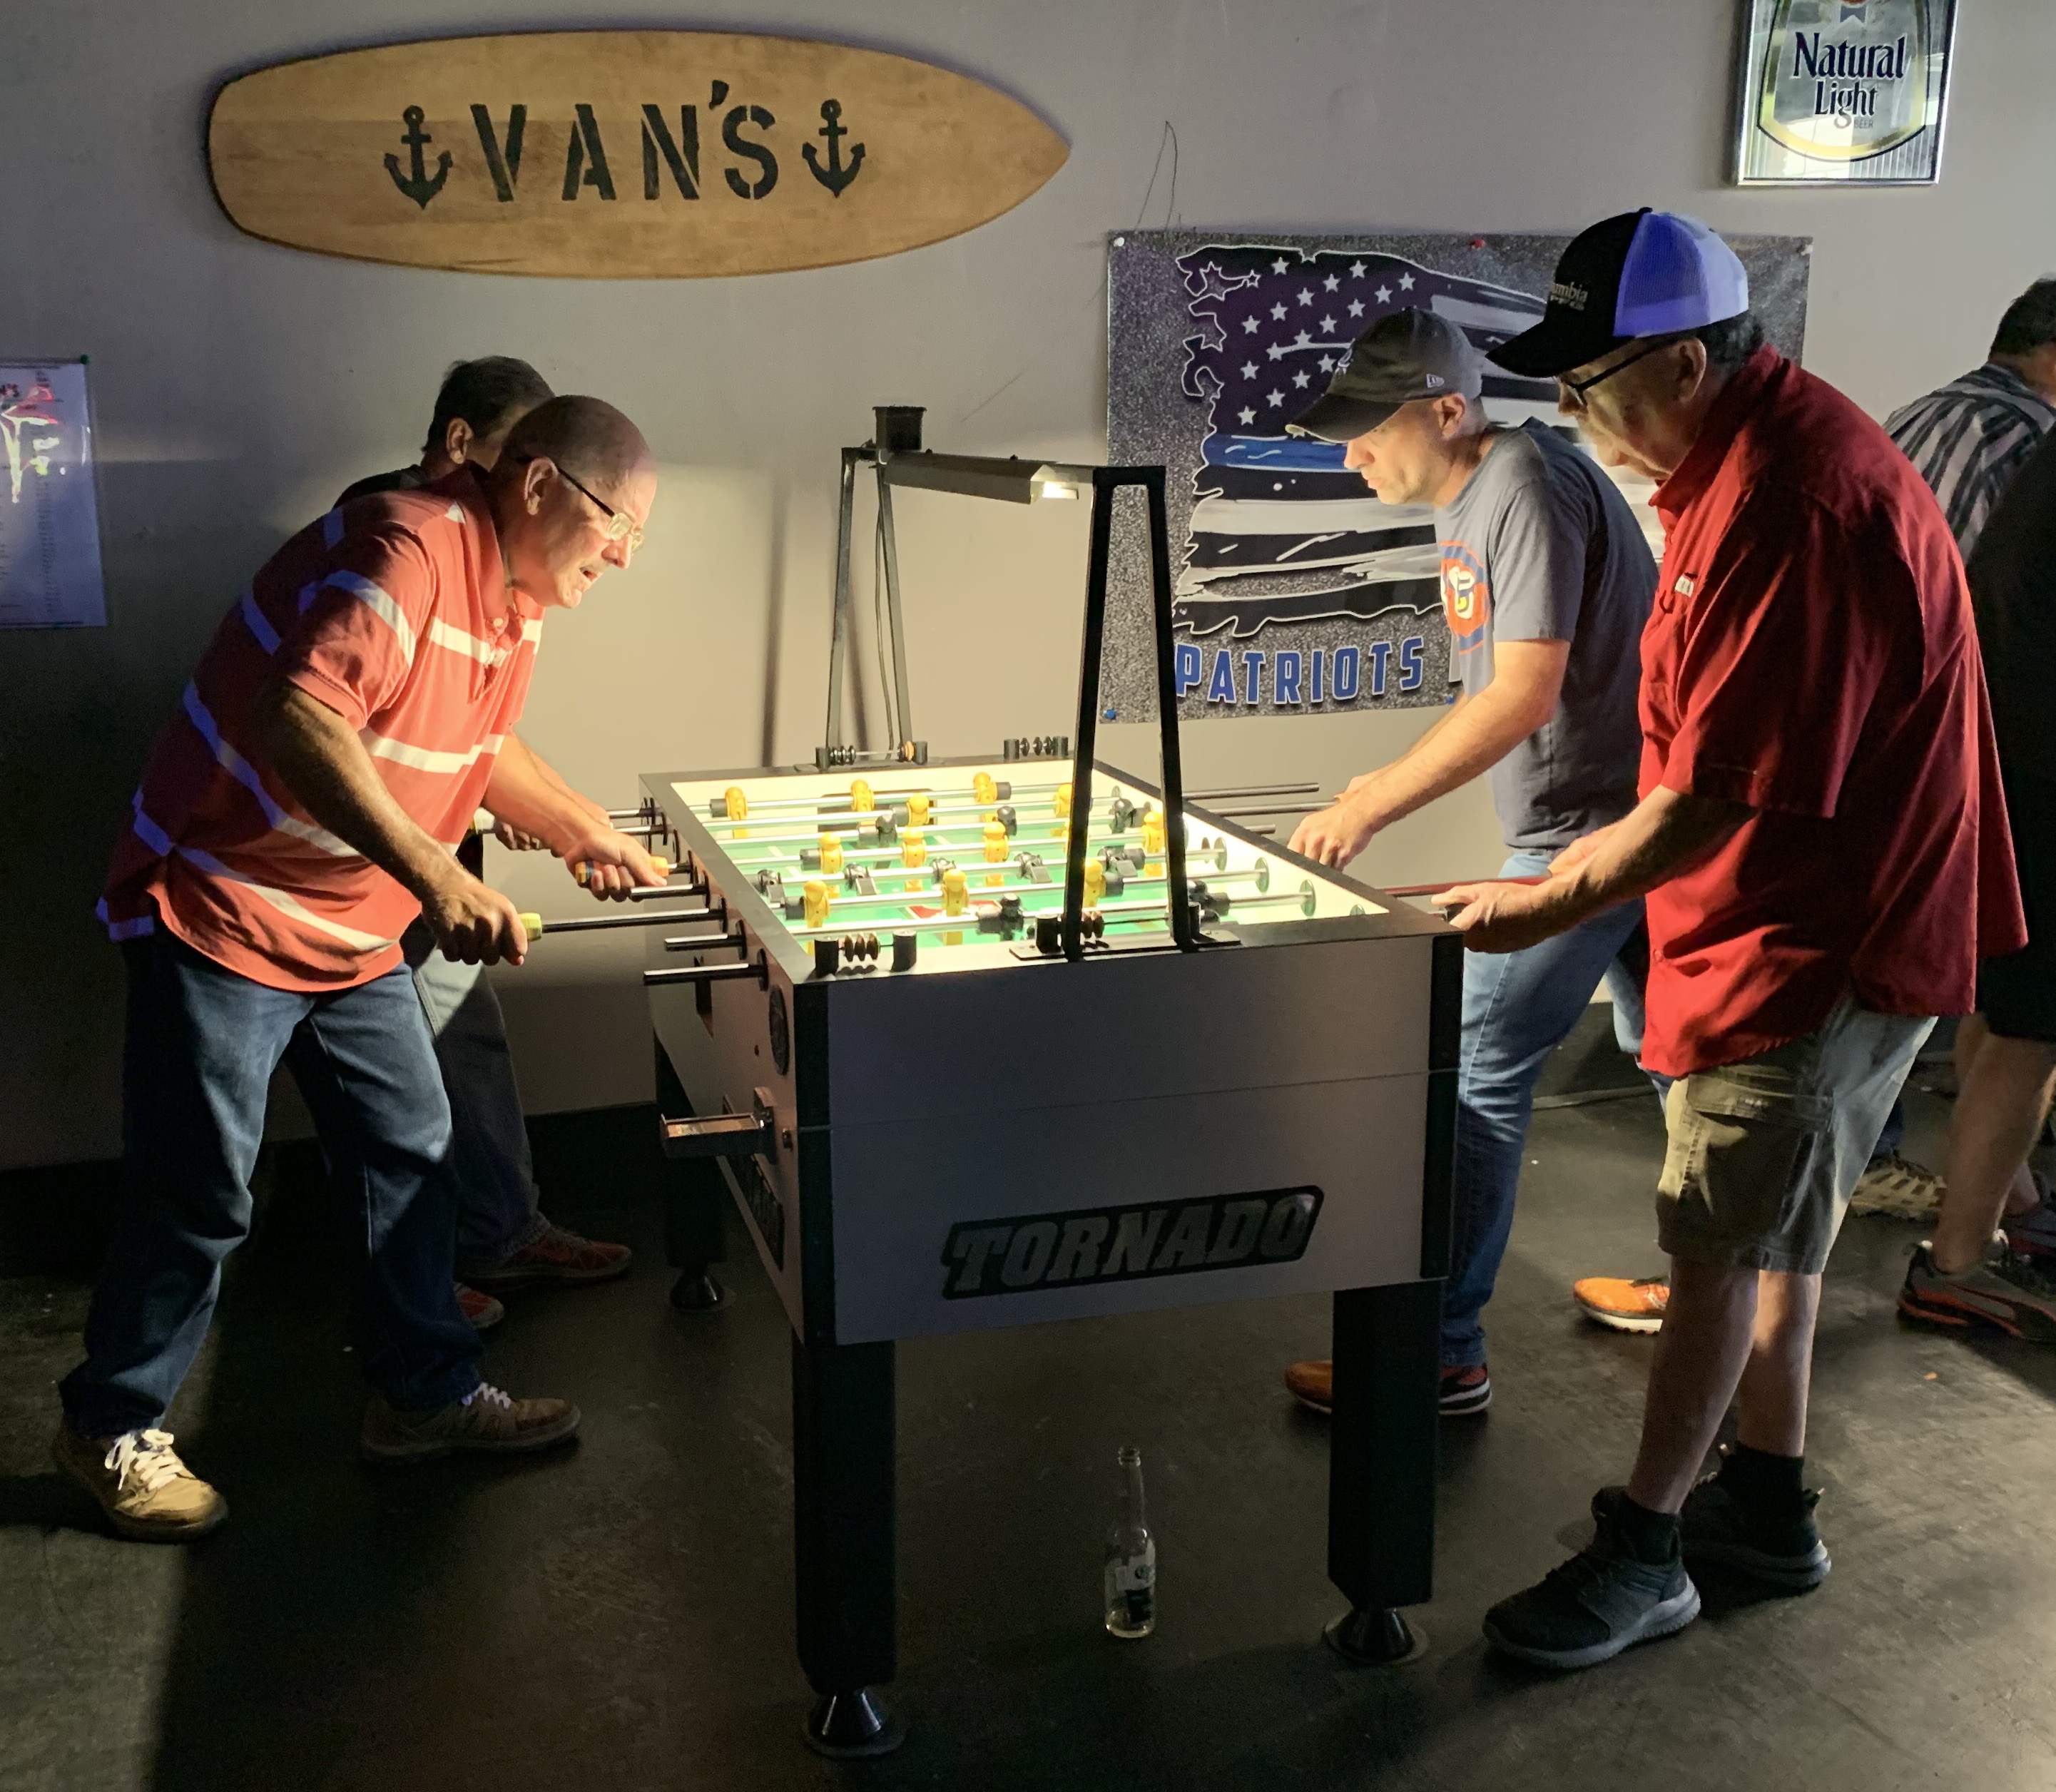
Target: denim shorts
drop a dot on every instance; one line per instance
(1762, 1154)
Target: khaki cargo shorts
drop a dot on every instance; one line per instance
(1763, 1154)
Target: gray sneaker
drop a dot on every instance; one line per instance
(2005, 1292)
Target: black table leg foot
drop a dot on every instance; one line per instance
(847, 1725)
(1377, 1637)
(696, 1292)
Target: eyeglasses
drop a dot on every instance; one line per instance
(1573, 391)
(619, 527)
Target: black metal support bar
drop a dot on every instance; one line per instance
(1184, 924)
(1105, 481)
(1381, 1463)
(845, 1544)
(840, 642)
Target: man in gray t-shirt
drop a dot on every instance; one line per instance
(1540, 545)
(1547, 582)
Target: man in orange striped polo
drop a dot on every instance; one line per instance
(343, 726)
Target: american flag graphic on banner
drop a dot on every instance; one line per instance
(1280, 530)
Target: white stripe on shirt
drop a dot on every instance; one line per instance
(381, 604)
(427, 759)
(253, 619)
(285, 904)
(246, 774)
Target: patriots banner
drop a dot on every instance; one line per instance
(1297, 590)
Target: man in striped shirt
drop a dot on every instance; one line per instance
(343, 726)
(1968, 438)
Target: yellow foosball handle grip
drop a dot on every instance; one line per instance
(532, 925)
(583, 868)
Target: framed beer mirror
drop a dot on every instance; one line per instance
(1847, 91)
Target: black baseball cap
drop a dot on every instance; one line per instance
(1641, 274)
(1406, 355)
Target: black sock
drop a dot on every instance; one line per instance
(1763, 1480)
(1653, 1535)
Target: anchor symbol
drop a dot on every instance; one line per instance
(419, 188)
(835, 176)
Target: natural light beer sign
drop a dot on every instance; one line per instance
(619, 154)
(1842, 90)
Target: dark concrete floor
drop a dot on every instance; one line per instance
(621, 1616)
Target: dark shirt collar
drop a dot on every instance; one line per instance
(1738, 401)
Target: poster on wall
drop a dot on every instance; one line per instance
(1845, 92)
(50, 517)
(1297, 591)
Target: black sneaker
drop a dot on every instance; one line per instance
(1784, 1549)
(1465, 1389)
(1603, 1599)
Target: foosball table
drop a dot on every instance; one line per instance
(1277, 1119)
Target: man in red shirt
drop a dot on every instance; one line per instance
(1822, 843)
(341, 729)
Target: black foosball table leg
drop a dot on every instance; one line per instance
(695, 1208)
(845, 1535)
(1382, 1465)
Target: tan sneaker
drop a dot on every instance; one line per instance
(1899, 1188)
(485, 1419)
(138, 1481)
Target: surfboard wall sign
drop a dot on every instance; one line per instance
(619, 155)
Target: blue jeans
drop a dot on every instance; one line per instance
(202, 1044)
(1518, 1008)
(498, 1210)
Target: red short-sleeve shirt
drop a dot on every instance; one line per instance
(395, 611)
(1812, 654)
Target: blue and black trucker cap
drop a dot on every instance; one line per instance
(1642, 274)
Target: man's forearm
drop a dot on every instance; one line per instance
(1469, 740)
(522, 791)
(320, 761)
(1666, 833)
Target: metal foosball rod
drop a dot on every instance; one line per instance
(891, 859)
(967, 921)
(536, 927)
(722, 808)
(1013, 884)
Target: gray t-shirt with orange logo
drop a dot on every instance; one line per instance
(1540, 545)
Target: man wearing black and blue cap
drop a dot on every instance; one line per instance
(1546, 582)
(1821, 844)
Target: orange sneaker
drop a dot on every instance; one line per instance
(557, 1255)
(1313, 1384)
(1636, 1306)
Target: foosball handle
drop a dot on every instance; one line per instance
(531, 925)
(583, 868)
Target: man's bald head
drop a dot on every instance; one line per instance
(571, 496)
(587, 437)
